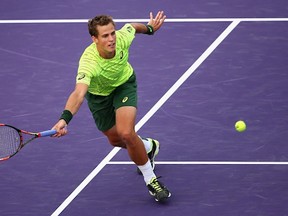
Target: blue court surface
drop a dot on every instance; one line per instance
(211, 64)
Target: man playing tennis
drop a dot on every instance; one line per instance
(108, 82)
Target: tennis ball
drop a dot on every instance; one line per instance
(240, 126)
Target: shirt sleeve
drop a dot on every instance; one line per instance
(126, 34)
(85, 69)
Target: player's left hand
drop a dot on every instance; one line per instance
(157, 22)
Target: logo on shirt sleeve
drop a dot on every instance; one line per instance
(80, 76)
(129, 29)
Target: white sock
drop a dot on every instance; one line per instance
(147, 144)
(147, 172)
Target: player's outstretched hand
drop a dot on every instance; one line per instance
(61, 128)
(157, 22)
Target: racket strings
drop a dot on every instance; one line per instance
(9, 141)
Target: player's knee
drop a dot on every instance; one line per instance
(128, 137)
(125, 136)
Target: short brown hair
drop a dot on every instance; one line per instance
(100, 20)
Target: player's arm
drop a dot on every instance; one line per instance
(76, 98)
(72, 106)
(153, 25)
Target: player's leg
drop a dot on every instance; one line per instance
(125, 123)
(123, 131)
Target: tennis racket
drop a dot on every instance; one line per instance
(12, 140)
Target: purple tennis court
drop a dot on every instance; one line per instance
(211, 64)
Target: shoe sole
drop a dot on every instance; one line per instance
(163, 199)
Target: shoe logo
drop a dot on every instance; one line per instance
(124, 99)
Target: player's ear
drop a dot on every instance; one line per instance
(94, 39)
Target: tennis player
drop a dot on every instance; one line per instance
(108, 82)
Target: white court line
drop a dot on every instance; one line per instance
(173, 20)
(205, 163)
(150, 113)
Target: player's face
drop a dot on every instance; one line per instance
(106, 40)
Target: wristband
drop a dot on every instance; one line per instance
(150, 30)
(66, 116)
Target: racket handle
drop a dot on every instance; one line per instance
(47, 133)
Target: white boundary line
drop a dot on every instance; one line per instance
(205, 163)
(150, 113)
(174, 20)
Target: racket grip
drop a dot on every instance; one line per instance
(47, 133)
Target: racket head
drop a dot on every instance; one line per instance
(11, 141)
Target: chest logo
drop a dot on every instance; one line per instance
(121, 55)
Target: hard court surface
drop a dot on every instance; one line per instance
(211, 64)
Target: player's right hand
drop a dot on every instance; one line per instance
(61, 128)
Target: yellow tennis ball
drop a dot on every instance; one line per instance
(240, 126)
